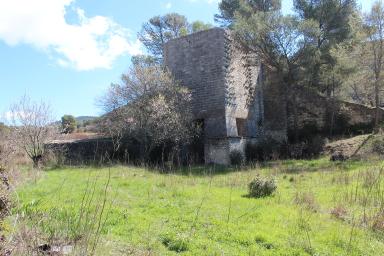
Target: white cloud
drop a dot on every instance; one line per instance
(92, 42)
(168, 5)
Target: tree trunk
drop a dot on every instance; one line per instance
(377, 105)
(36, 161)
(332, 106)
(295, 118)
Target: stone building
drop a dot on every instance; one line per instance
(236, 101)
(227, 92)
(232, 100)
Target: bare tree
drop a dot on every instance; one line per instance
(149, 106)
(33, 126)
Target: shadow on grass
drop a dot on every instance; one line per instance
(283, 166)
(198, 170)
(315, 165)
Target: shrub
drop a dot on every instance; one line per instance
(315, 146)
(338, 156)
(378, 146)
(260, 187)
(310, 148)
(266, 149)
(306, 132)
(236, 157)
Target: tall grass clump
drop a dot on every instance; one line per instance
(73, 227)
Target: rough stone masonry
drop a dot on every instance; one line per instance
(238, 102)
(227, 92)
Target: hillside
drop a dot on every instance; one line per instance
(82, 119)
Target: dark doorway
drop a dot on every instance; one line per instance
(196, 153)
(241, 128)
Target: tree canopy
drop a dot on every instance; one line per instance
(160, 29)
(68, 124)
(228, 9)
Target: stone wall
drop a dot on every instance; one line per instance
(217, 150)
(315, 109)
(95, 150)
(226, 88)
(244, 92)
(228, 92)
(197, 61)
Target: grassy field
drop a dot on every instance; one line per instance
(320, 208)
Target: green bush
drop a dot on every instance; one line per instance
(260, 187)
(265, 150)
(68, 124)
(313, 147)
(378, 146)
(236, 157)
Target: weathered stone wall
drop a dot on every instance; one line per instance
(216, 151)
(227, 92)
(359, 114)
(220, 78)
(244, 94)
(197, 61)
(96, 150)
(314, 109)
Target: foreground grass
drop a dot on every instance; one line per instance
(205, 211)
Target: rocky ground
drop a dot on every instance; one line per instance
(359, 147)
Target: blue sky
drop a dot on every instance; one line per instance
(67, 52)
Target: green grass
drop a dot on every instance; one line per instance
(205, 211)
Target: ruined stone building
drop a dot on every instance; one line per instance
(227, 92)
(231, 99)
(236, 101)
